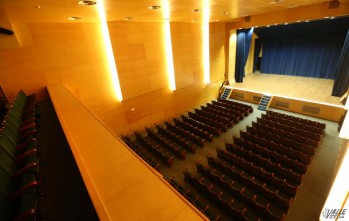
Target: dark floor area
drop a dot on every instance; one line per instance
(66, 197)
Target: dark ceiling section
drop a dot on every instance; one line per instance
(324, 26)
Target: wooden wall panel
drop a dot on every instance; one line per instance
(71, 54)
(187, 53)
(217, 51)
(140, 56)
(326, 111)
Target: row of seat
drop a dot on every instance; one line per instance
(180, 140)
(199, 124)
(298, 119)
(195, 200)
(157, 149)
(240, 114)
(287, 134)
(257, 170)
(295, 124)
(189, 135)
(263, 188)
(194, 129)
(174, 148)
(277, 153)
(232, 117)
(19, 165)
(142, 152)
(235, 105)
(211, 121)
(282, 140)
(208, 113)
(235, 205)
(280, 169)
(286, 128)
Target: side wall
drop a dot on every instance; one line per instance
(73, 54)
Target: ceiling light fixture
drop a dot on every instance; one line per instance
(276, 1)
(225, 13)
(128, 18)
(86, 2)
(197, 10)
(154, 7)
(37, 6)
(74, 18)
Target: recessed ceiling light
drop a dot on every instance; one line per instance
(276, 1)
(128, 18)
(86, 2)
(197, 10)
(133, 109)
(225, 13)
(37, 6)
(73, 18)
(154, 7)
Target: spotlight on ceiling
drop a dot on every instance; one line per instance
(74, 18)
(154, 7)
(86, 2)
(128, 18)
(197, 10)
(276, 1)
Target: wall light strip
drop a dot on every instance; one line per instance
(168, 46)
(109, 51)
(206, 41)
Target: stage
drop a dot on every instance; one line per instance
(311, 89)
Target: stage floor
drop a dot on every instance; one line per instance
(312, 89)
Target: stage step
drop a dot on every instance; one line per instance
(226, 93)
(265, 102)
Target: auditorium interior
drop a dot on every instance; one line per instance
(174, 110)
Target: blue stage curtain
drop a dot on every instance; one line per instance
(341, 82)
(309, 56)
(244, 37)
(257, 50)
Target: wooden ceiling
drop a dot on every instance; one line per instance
(117, 10)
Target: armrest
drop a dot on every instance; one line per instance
(24, 169)
(23, 145)
(21, 157)
(15, 195)
(26, 215)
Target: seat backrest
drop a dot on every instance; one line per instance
(6, 163)
(11, 135)
(7, 146)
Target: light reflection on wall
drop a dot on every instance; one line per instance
(206, 41)
(109, 51)
(168, 46)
